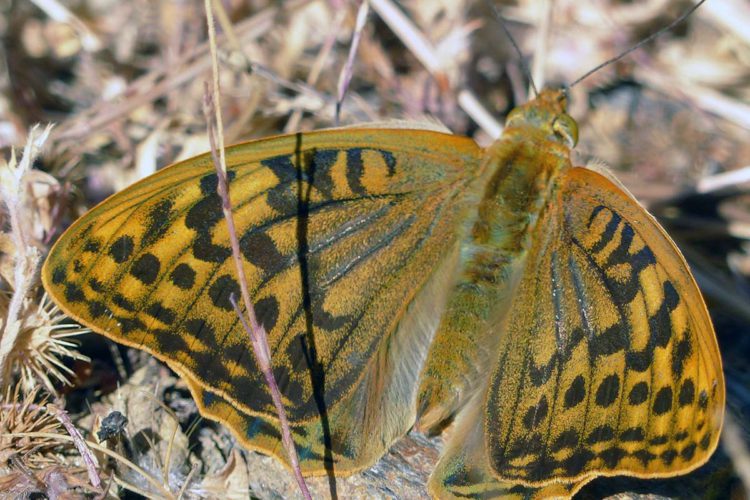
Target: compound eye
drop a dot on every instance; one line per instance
(566, 129)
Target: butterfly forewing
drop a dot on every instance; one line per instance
(339, 232)
(609, 364)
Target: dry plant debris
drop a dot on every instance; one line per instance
(123, 82)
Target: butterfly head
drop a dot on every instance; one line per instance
(547, 112)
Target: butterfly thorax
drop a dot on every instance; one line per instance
(523, 166)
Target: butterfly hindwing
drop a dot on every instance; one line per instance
(339, 231)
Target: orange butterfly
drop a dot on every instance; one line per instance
(408, 276)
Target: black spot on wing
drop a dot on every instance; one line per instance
(96, 285)
(623, 291)
(536, 414)
(688, 452)
(210, 182)
(92, 246)
(663, 401)
(610, 229)
(612, 456)
(569, 438)
(575, 463)
(159, 311)
(681, 351)
(608, 390)
(703, 400)
(355, 167)
(638, 394)
(170, 341)
(74, 293)
(576, 392)
(540, 374)
(319, 165)
(280, 197)
(659, 440)
(600, 434)
(668, 456)
(183, 276)
(671, 297)
(146, 268)
(633, 434)
(120, 301)
(312, 167)
(97, 309)
(203, 216)
(259, 249)
(660, 333)
(681, 436)
(390, 161)
(621, 253)
(158, 221)
(267, 311)
(59, 276)
(354, 170)
(129, 325)
(211, 368)
(614, 339)
(121, 249)
(660, 323)
(644, 456)
(222, 289)
(198, 327)
(532, 445)
(687, 393)
(324, 319)
(705, 441)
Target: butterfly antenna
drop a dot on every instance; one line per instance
(639, 44)
(504, 26)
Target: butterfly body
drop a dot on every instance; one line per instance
(407, 276)
(519, 181)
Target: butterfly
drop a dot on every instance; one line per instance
(411, 278)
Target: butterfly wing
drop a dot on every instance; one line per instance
(340, 232)
(608, 363)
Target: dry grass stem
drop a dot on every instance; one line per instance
(255, 330)
(88, 458)
(346, 72)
